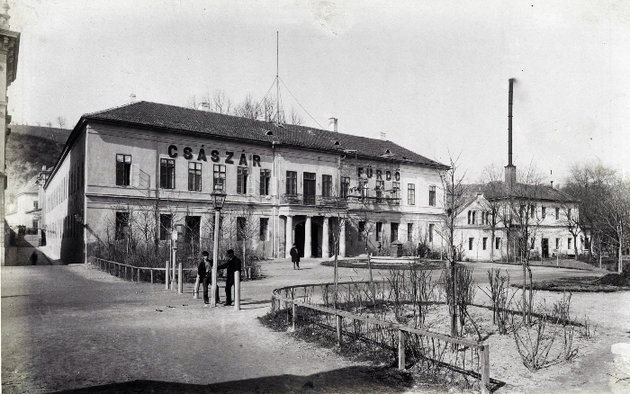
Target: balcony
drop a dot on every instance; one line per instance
(320, 201)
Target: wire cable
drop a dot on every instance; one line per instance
(298, 102)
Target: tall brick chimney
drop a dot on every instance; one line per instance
(510, 169)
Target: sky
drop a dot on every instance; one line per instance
(431, 75)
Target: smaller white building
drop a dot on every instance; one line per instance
(494, 218)
(25, 210)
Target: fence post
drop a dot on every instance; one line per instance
(294, 317)
(166, 273)
(485, 368)
(237, 290)
(138, 276)
(151, 270)
(401, 349)
(180, 278)
(339, 339)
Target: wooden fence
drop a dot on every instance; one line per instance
(131, 272)
(433, 350)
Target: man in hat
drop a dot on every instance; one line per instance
(233, 264)
(204, 271)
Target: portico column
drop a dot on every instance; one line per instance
(289, 236)
(325, 253)
(307, 238)
(342, 239)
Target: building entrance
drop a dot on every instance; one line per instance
(545, 248)
(299, 238)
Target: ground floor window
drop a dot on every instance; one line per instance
(379, 229)
(497, 243)
(410, 232)
(484, 242)
(166, 223)
(393, 236)
(264, 229)
(470, 243)
(122, 225)
(431, 226)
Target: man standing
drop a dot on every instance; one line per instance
(204, 271)
(295, 256)
(233, 264)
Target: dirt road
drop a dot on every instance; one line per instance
(71, 327)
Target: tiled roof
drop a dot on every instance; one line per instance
(186, 120)
(496, 190)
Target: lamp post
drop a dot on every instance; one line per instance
(218, 199)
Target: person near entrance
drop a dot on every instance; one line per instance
(233, 264)
(295, 256)
(204, 271)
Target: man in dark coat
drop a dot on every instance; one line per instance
(233, 264)
(295, 256)
(204, 270)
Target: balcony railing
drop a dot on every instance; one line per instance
(321, 201)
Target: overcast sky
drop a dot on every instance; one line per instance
(432, 75)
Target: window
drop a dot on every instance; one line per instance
(265, 181)
(569, 240)
(380, 186)
(532, 210)
(497, 243)
(432, 196)
(326, 185)
(410, 232)
(483, 217)
(393, 236)
(543, 212)
(557, 213)
(123, 169)
(533, 243)
(396, 189)
(167, 173)
(379, 229)
(241, 180)
(431, 226)
(569, 213)
(469, 217)
(35, 205)
(345, 186)
(411, 193)
(470, 243)
(364, 188)
(122, 225)
(218, 177)
(557, 243)
(484, 242)
(241, 224)
(194, 177)
(264, 229)
(361, 227)
(166, 225)
(291, 183)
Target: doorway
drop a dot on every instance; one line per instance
(545, 248)
(299, 238)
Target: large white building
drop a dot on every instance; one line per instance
(145, 166)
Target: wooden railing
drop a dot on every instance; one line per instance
(129, 272)
(436, 350)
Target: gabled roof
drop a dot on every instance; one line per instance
(170, 118)
(498, 191)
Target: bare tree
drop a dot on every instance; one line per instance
(61, 121)
(492, 189)
(572, 224)
(249, 108)
(454, 199)
(221, 103)
(616, 218)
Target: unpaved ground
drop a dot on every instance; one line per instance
(67, 327)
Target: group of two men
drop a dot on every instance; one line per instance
(204, 271)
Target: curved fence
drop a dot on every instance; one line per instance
(314, 305)
(133, 273)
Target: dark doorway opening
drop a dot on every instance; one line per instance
(299, 238)
(545, 248)
(316, 246)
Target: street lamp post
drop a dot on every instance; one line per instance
(218, 199)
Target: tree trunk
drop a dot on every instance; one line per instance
(575, 247)
(454, 332)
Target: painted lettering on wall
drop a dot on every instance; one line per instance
(215, 156)
(379, 173)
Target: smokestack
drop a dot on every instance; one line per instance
(510, 169)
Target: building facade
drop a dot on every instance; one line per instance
(9, 47)
(140, 170)
(25, 210)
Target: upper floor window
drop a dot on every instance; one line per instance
(326, 185)
(364, 188)
(532, 210)
(123, 169)
(241, 180)
(396, 189)
(411, 194)
(345, 186)
(569, 213)
(543, 212)
(194, 177)
(380, 185)
(557, 213)
(432, 196)
(167, 173)
(218, 177)
(265, 181)
(292, 183)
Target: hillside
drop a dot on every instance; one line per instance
(28, 149)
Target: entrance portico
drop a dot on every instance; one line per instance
(312, 236)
